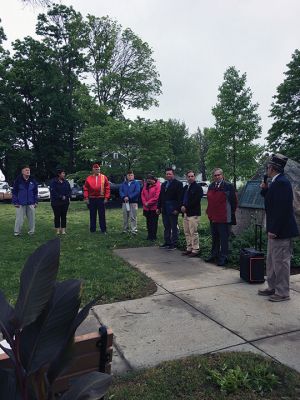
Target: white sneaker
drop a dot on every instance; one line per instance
(16, 234)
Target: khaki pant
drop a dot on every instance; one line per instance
(278, 265)
(21, 212)
(130, 217)
(190, 227)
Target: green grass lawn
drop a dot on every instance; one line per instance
(89, 256)
(83, 255)
(232, 376)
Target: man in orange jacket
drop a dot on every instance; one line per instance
(96, 194)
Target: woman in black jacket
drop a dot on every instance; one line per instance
(60, 191)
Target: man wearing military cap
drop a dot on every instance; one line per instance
(281, 228)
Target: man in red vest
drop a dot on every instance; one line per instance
(96, 194)
(221, 206)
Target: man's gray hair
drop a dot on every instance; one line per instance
(218, 169)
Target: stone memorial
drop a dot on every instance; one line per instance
(251, 204)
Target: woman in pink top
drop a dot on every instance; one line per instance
(150, 194)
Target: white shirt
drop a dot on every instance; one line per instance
(274, 177)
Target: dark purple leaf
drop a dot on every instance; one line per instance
(7, 317)
(51, 331)
(8, 385)
(37, 282)
(64, 356)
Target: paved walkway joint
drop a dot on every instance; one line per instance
(198, 308)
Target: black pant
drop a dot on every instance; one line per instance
(171, 231)
(151, 220)
(60, 215)
(220, 237)
(97, 206)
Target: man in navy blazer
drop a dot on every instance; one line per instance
(169, 204)
(281, 228)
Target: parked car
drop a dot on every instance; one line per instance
(114, 190)
(77, 192)
(201, 183)
(204, 187)
(115, 187)
(5, 192)
(43, 192)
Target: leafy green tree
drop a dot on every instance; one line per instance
(5, 129)
(120, 145)
(37, 107)
(45, 106)
(237, 125)
(284, 135)
(183, 148)
(63, 32)
(141, 144)
(12, 154)
(202, 140)
(122, 67)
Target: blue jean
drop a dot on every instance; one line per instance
(97, 205)
(170, 231)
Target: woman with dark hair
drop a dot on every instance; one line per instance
(150, 195)
(60, 191)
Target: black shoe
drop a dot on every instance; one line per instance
(171, 248)
(266, 292)
(164, 246)
(222, 262)
(194, 255)
(210, 259)
(186, 253)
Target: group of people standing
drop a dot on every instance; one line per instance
(170, 199)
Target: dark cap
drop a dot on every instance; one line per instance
(278, 160)
(59, 170)
(152, 177)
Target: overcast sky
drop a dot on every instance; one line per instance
(194, 42)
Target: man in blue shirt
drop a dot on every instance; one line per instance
(25, 199)
(129, 193)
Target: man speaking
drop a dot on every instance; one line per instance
(281, 228)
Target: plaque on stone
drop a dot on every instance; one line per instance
(250, 196)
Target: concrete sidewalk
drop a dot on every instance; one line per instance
(198, 308)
